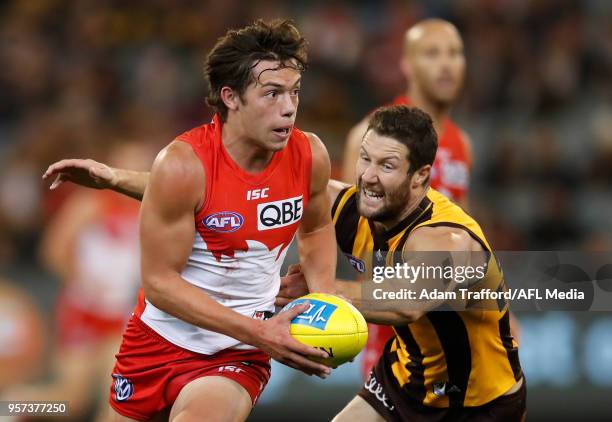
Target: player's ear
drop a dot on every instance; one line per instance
(421, 176)
(230, 98)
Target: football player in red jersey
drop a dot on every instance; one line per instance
(222, 203)
(433, 63)
(91, 244)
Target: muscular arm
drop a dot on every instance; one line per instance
(316, 235)
(166, 235)
(453, 243)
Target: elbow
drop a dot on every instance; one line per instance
(154, 289)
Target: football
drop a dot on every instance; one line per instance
(330, 324)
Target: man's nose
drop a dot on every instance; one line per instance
(288, 105)
(369, 175)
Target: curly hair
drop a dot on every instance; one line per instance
(235, 54)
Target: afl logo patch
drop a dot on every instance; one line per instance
(124, 389)
(223, 222)
(357, 263)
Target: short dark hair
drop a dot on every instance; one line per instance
(231, 60)
(410, 126)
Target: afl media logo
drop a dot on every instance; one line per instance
(223, 222)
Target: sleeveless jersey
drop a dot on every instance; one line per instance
(243, 229)
(107, 260)
(445, 358)
(450, 173)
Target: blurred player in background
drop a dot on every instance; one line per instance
(433, 63)
(222, 203)
(22, 335)
(91, 244)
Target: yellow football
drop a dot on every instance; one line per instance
(330, 324)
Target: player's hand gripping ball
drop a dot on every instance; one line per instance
(330, 324)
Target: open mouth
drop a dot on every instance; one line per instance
(372, 195)
(283, 131)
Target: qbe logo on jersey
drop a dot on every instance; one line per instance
(273, 215)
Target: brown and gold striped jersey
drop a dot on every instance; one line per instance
(447, 357)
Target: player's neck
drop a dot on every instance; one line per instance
(243, 150)
(438, 112)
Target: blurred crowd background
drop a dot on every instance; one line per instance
(80, 77)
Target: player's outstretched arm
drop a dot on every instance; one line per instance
(316, 235)
(440, 247)
(167, 230)
(95, 175)
(455, 244)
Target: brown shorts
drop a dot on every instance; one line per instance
(394, 406)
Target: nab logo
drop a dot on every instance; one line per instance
(316, 316)
(124, 389)
(224, 221)
(273, 215)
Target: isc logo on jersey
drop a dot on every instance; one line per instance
(273, 215)
(224, 221)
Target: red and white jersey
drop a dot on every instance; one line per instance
(243, 229)
(107, 260)
(450, 173)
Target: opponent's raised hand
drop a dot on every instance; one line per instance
(293, 285)
(85, 172)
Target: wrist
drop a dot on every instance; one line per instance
(116, 180)
(252, 332)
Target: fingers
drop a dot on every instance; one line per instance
(305, 350)
(284, 284)
(309, 366)
(293, 286)
(58, 166)
(305, 365)
(294, 269)
(295, 311)
(282, 301)
(58, 181)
